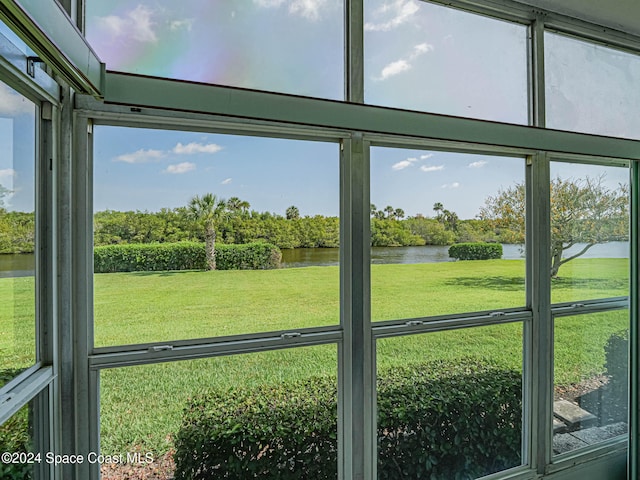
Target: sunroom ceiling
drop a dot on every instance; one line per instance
(619, 14)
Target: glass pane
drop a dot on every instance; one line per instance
(424, 203)
(589, 232)
(16, 444)
(450, 403)
(157, 231)
(227, 417)
(590, 369)
(591, 88)
(17, 233)
(278, 45)
(421, 56)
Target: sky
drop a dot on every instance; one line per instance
(417, 56)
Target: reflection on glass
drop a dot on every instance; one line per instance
(17, 232)
(156, 231)
(291, 47)
(591, 88)
(424, 204)
(450, 403)
(225, 415)
(589, 232)
(421, 56)
(590, 379)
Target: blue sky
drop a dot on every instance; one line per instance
(17, 137)
(417, 56)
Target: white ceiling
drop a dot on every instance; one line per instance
(619, 14)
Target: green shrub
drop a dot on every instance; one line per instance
(183, 256)
(248, 256)
(438, 420)
(475, 251)
(447, 421)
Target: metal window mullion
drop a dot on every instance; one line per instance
(539, 334)
(634, 330)
(354, 51)
(85, 387)
(536, 74)
(356, 370)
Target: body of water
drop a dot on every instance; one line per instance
(17, 265)
(305, 257)
(23, 265)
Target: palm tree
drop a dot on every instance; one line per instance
(438, 208)
(208, 210)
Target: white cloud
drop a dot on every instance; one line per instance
(193, 147)
(404, 64)
(187, 23)
(183, 167)
(136, 24)
(394, 68)
(394, 14)
(478, 164)
(309, 9)
(7, 173)
(141, 156)
(421, 48)
(425, 157)
(12, 103)
(404, 163)
(226, 181)
(451, 185)
(431, 168)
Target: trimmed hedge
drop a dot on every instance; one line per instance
(183, 256)
(475, 251)
(438, 420)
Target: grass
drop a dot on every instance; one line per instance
(142, 405)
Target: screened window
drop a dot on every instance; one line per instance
(204, 235)
(17, 233)
(426, 203)
(591, 88)
(450, 403)
(422, 56)
(589, 231)
(281, 46)
(223, 417)
(590, 379)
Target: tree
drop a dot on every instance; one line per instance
(292, 213)
(438, 208)
(235, 205)
(583, 211)
(209, 211)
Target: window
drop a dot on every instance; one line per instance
(289, 47)
(591, 88)
(422, 56)
(590, 379)
(450, 403)
(17, 233)
(425, 202)
(223, 416)
(589, 231)
(274, 231)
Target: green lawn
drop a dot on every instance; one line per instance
(142, 405)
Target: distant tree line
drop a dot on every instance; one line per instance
(583, 211)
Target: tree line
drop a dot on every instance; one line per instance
(583, 211)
